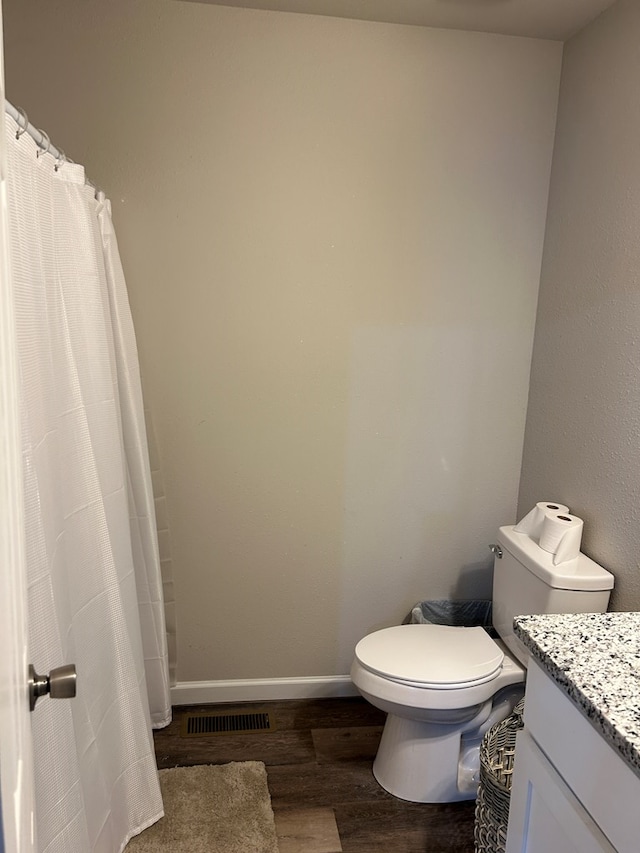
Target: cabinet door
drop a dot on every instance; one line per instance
(545, 816)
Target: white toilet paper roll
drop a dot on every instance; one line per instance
(531, 524)
(561, 536)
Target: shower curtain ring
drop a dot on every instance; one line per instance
(61, 160)
(21, 129)
(42, 150)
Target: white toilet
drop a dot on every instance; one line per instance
(444, 687)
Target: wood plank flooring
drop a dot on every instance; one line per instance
(324, 796)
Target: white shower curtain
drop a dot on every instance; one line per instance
(94, 586)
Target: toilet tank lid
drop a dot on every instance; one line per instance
(579, 574)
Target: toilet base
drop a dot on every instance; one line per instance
(418, 761)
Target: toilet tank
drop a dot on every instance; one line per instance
(525, 582)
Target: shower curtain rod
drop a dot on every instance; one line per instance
(41, 139)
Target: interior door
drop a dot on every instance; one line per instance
(16, 767)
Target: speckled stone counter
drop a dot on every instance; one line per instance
(595, 659)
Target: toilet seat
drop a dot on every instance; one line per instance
(438, 657)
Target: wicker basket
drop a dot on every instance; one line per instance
(496, 768)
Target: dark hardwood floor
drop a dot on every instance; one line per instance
(319, 772)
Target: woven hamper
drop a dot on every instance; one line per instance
(494, 792)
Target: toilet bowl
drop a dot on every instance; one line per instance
(443, 687)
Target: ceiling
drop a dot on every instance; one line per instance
(550, 19)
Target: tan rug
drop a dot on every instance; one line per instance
(219, 808)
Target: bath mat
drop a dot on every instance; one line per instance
(213, 808)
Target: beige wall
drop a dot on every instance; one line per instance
(583, 426)
(332, 232)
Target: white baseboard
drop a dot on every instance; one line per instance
(261, 689)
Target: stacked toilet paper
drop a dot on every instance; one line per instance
(555, 530)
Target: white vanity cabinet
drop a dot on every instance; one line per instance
(572, 791)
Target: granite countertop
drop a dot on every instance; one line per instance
(595, 659)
